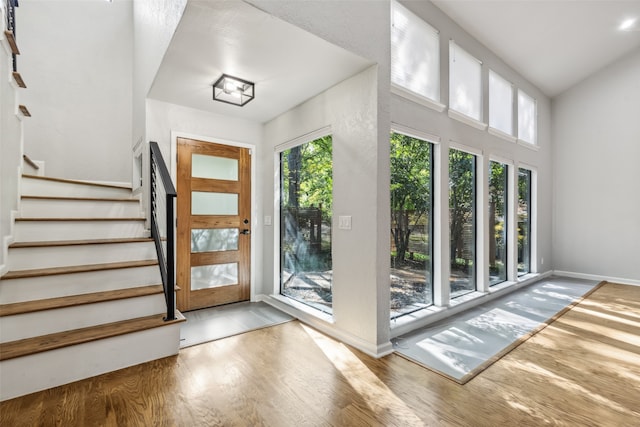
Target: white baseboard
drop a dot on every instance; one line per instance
(621, 280)
(373, 350)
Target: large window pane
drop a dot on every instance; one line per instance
(462, 222)
(500, 103)
(411, 224)
(527, 122)
(524, 221)
(415, 53)
(498, 177)
(306, 186)
(465, 82)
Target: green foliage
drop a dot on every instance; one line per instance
(461, 197)
(410, 188)
(307, 172)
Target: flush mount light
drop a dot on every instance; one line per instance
(233, 90)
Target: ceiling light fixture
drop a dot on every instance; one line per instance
(233, 90)
(628, 24)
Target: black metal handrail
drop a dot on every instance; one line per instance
(11, 26)
(160, 175)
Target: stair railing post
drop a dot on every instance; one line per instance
(158, 173)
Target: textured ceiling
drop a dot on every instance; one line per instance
(553, 43)
(287, 64)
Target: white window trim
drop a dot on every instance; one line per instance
(418, 99)
(501, 134)
(465, 148)
(456, 115)
(529, 145)
(415, 133)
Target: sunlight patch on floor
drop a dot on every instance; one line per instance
(604, 331)
(567, 384)
(376, 394)
(610, 317)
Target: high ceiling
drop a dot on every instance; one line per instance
(288, 65)
(553, 43)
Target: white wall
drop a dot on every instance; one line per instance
(155, 22)
(76, 59)
(10, 142)
(350, 109)
(596, 150)
(361, 27)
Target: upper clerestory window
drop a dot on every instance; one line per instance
(415, 57)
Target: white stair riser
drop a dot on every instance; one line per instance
(62, 208)
(62, 285)
(35, 231)
(45, 322)
(49, 369)
(40, 187)
(64, 256)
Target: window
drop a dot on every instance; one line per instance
(527, 121)
(465, 83)
(411, 224)
(498, 184)
(415, 53)
(462, 222)
(524, 221)
(500, 104)
(306, 187)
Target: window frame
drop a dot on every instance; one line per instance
(403, 91)
(311, 309)
(477, 251)
(455, 113)
(520, 119)
(432, 140)
(494, 130)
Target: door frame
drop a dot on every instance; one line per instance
(255, 230)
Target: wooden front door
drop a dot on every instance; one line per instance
(213, 224)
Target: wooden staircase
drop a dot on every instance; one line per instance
(83, 295)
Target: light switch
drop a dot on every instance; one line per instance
(267, 220)
(344, 222)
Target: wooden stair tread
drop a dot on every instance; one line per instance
(82, 199)
(11, 39)
(75, 181)
(79, 242)
(43, 343)
(52, 271)
(19, 80)
(75, 300)
(82, 219)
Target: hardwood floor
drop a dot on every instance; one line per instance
(582, 370)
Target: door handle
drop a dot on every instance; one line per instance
(246, 231)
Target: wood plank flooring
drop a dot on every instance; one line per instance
(582, 370)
